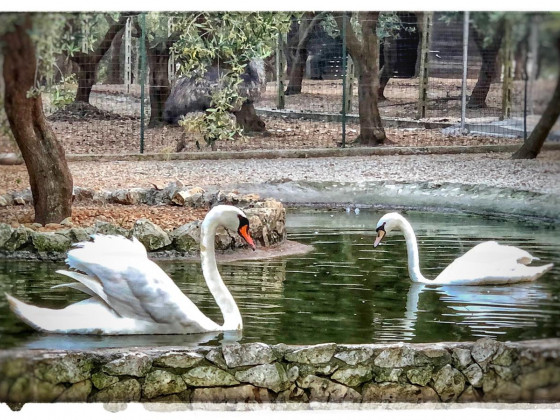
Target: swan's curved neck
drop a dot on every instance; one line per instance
(223, 297)
(412, 251)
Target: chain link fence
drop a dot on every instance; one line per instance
(443, 80)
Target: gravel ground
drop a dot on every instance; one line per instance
(496, 169)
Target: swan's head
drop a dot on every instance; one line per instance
(385, 225)
(233, 219)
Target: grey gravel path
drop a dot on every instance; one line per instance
(497, 169)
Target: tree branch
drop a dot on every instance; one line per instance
(352, 43)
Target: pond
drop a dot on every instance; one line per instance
(344, 291)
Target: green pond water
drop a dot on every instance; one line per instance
(344, 291)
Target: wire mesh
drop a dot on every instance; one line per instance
(92, 97)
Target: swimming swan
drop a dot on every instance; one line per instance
(130, 294)
(487, 263)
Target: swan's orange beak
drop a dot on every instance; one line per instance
(244, 232)
(380, 235)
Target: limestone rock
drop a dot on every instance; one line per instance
(461, 357)
(355, 356)
(162, 382)
(324, 390)
(395, 357)
(176, 359)
(21, 236)
(51, 241)
(209, 376)
(388, 374)
(30, 389)
(503, 391)
(470, 395)
(67, 368)
(483, 350)
(127, 197)
(4, 201)
(78, 392)
(449, 383)
(106, 228)
(186, 238)
(505, 356)
(80, 234)
(420, 376)
(353, 376)
(237, 355)
(271, 376)
(474, 375)
(5, 234)
(131, 364)
(215, 356)
(393, 392)
(244, 393)
(320, 353)
(151, 235)
(101, 380)
(124, 391)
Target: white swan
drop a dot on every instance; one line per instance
(487, 263)
(130, 294)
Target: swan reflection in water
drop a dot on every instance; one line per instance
(486, 310)
(90, 342)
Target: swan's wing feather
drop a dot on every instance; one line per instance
(134, 286)
(491, 263)
(91, 283)
(77, 286)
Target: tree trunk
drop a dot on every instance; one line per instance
(86, 78)
(387, 70)
(297, 71)
(371, 128)
(115, 71)
(488, 67)
(49, 176)
(248, 119)
(532, 146)
(365, 54)
(158, 59)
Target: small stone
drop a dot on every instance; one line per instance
(209, 376)
(215, 356)
(449, 383)
(5, 234)
(51, 241)
(483, 350)
(186, 238)
(237, 355)
(271, 376)
(26, 389)
(21, 236)
(353, 376)
(470, 395)
(320, 353)
(387, 374)
(132, 364)
(395, 357)
(161, 382)
(106, 228)
(175, 359)
(65, 368)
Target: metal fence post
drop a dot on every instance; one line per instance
(344, 72)
(424, 62)
(171, 63)
(280, 63)
(465, 68)
(142, 77)
(508, 72)
(128, 54)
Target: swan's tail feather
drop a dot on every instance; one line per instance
(539, 271)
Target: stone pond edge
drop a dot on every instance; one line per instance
(466, 372)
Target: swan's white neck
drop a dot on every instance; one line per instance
(223, 297)
(412, 251)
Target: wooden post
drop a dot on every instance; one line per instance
(424, 65)
(280, 64)
(127, 54)
(349, 85)
(507, 82)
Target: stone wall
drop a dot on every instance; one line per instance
(267, 219)
(486, 370)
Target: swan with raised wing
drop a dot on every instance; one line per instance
(486, 263)
(130, 294)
